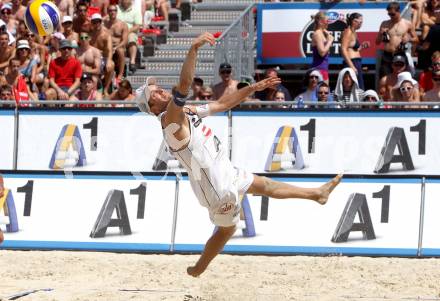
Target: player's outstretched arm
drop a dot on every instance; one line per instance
(229, 101)
(175, 107)
(214, 246)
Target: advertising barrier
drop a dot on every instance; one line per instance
(88, 212)
(7, 139)
(328, 143)
(284, 30)
(97, 141)
(431, 223)
(375, 217)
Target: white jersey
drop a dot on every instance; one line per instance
(218, 185)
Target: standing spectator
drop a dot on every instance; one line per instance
(394, 34)
(90, 57)
(19, 83)
(64, 73)
(87, 91)
(406, 88)
(387, 82)
(66, 7)
(434, 93)
(351, 46)
(81, 21)
(196, 86)
(101, 39)
(269, 93)
(431, 43)
(133, 18)
(322, 40)
(68, 32)
(425, 79)
(39, 54)
(119, 33)
(311, 80)
(347, 87)
(6, 52)
(228, 85)
(124, 92)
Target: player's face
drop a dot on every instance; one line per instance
(159, 99)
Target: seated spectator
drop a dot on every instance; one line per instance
(387, 82)
(54, 46)
(119, 33)
(206, 93)
(64, 74)
(163, 7)
(280, 97)
(434, 93)
(406, 88)
(311, 80)
(6, 51)
(149, 13)
(323, 95)
(89, 57)
(28, 66)
(347, 87)
(425, 79)
(241, 85)
(228, 85)
(21, 85)
(68, 32)
(11, 23)
(4, 29)
(100, 38)
(371, 96)
(7, 94)
(429, 17)
(22, 30)
(87, 91)
(124, 92)
(133, 18)
(269, 93)
(196, 86)
(81, 21)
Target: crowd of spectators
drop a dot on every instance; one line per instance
(86, 58)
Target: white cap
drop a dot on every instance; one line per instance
(143, 95)
(96, 16)
(67, 19)
(58, 35)
(23, 44)
(404, 77)
(371, 93)
(6, 6)
(318, 74)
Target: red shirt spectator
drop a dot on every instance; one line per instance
(65, 71)
(425, 80)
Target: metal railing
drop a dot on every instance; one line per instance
(236, 46)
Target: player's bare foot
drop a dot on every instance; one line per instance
(194, 271)
(327, 188)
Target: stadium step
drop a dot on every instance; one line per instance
(204, 55)
(163, 81)
(236, 5)
(220, 15)
(189, 31)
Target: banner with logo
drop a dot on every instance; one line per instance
(431, 223)
(284, 30)
(98, 141)
(6, 139)
(88, 212)
(375, 217)
(332, 142)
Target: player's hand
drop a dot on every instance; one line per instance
(204, 38)
(270, 82)
(194, 271)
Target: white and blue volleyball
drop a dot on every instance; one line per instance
(42, 17)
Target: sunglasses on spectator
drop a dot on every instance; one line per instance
(436, 64)
(399, 64)
(314, 77)
(6, 94)
(6, 12)
(84, 37)
(112, 10)
(82, 10)
(30, 35)
(323, 92)
(206, 96)
(66, 48)
(405, 89)
(391, 14)
(436, 79)
(67, 23)
(225, 72)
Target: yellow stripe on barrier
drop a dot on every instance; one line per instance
(3, 200)
(281, 146)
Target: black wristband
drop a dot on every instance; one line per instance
(179, 99)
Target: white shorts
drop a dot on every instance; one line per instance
(227, 212)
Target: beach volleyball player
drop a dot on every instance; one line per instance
(218, 185)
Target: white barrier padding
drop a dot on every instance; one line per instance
(6, 139)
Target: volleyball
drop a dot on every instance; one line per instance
(42, 17)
